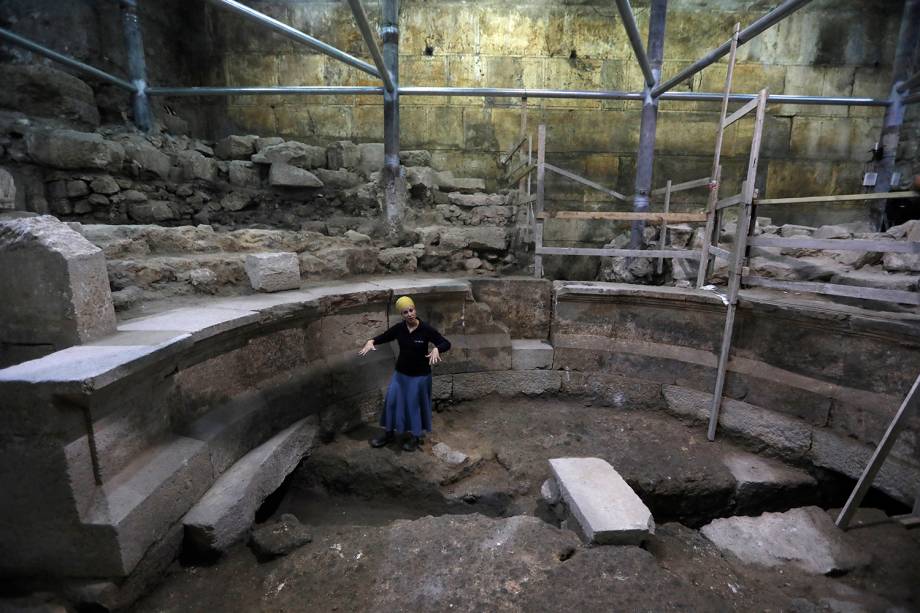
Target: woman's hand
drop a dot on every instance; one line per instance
(434, 357)
(368, 346)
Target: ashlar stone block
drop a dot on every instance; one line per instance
(273, 272)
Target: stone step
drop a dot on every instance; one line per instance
(531, 354)
(150, 495)
(805, 537)
(226, 512)
(608, 511)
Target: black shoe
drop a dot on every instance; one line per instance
(383, 439)
(411, 444)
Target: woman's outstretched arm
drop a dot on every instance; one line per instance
(386, 337)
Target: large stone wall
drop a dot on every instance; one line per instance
(824, 49)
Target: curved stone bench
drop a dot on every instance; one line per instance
(106, 446)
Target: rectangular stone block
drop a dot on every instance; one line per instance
(273, 272)
(531, 354)
(607, 509)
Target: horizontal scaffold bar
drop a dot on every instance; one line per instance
(840, 198)
(831, 289)
(836, 244)
(625, 216)
(676, 254)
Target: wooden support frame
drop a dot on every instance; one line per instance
(837, 244)
(663, 232)
(679, 187)
(538, 206)
(911, 402)
(745, 227)
(832, 289)
(626, 216)
(676, 254)
(586, 182)
(716, 166)
(840, 198)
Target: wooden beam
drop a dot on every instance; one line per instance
(744, 110)
(663, 231)
(878, 457)
(513, 150)
(528, 200)
(519, 173)
(679, 187)
(831, 289)
(730, 201)
(719, 252)
(538, 206)
(625, 216)
(675, 254)
(841, 198)
(583, 181)
(837, 244)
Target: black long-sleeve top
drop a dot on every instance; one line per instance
(413, 346)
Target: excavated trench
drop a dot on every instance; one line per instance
(465, 516)
(681, 478)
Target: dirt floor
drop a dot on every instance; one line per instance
(411, 531)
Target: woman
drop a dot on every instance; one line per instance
(408, 402)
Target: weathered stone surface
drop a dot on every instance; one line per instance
(872, 276)
(901, 262)
(531, 354)
(763, 482)
(527, 317)
(791, 230)
(480, 237)
(417, 157)
(195, 166)
(273, 272)
(449, 183)
(342, 154)
(281, 537)
(285, 175)
(337, 179)
(265, 142)
(371, 158)
(56, 285)
(44, 91)
(144, 157)
(357, 238)
(832, 232)
(443, 452)
(226, 512)
(104, 185)
(235, 147)
(7, 190)
(398, 259)
(243, 174)
(468, 386)
(607, 509)
(549, 491)
(235, 201)
(805, 537)
(151, 212)
(293, 153)
(71, 149)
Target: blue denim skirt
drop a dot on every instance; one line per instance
(408, 404)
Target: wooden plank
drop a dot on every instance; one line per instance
(744, 110)
(745, 225)
(719, 252)
(524, 135)
(730, 201)
(679, 187)
(840, 198)
(625, 216)
(878, 457)
(837, 244)
(583, 181)
(908, 521)
(541, 193)
(831, 289)
(663, 231)
(513, 150)
(519, 173)
(675, 254)
(528, 200)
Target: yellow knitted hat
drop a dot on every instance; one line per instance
(404, 302)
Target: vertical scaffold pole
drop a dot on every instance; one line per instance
(137, 65)
(391, 174)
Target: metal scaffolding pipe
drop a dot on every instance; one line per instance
(909, 83)
(296, 35)
(502, 92)
(137, 65)
(391, 174)
(299, 90)
(16, 39)
(361, 20)
(774, 16)
(648, 127)
(371, 90)
(635, 39)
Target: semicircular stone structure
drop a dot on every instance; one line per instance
(106, 445)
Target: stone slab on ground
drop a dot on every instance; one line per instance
(531, 354)
(281, 537)
(273, 272)
(226, 512)
(805, 537)
(607, 509)
(761, 479)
